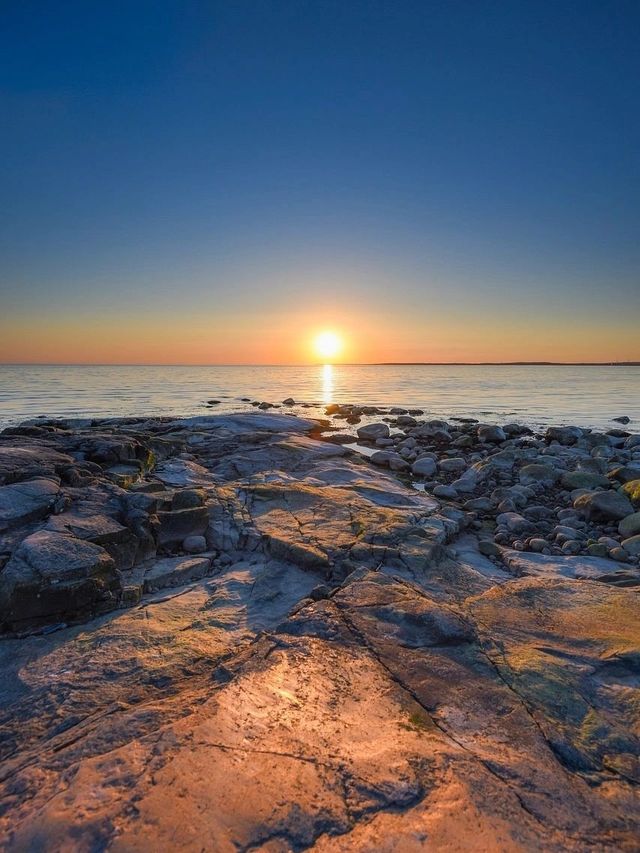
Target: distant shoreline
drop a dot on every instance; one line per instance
(507, 363)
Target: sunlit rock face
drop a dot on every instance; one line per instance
(342, 668)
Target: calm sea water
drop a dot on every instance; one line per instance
(588, 396)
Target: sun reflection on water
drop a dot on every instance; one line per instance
(327, 384)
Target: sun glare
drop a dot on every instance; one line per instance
(327, 345)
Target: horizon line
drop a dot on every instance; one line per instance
(332, 364)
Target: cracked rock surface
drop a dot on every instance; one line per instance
(340, 669)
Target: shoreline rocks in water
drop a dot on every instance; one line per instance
(267, 640)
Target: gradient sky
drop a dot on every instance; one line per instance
(209, 182)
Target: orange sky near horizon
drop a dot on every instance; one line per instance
(288, 338)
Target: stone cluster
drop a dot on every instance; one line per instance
(568, 491)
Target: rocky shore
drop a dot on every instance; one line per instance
(265, 632)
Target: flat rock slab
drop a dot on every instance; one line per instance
(523, 563)
(174, 571)
(247, 423)
(377, 719)
(23, 463)
(184, 472)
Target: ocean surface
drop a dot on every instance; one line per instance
(535, 395)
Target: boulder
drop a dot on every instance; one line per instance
(610, 505)
(625, 473)
(195, 544)
(583, 480)
(27, 463)
(564, 435)
(369, 432)
(630, 525)
(93, 526)
(454, 465)
(446, 492)
(538, 473)
(424, 467)
(389, 459)
(632, 545)
(632, 491)
(52, 577)
(488, 433)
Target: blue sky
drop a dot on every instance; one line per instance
(413, 168)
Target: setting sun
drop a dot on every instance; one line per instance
(327, 345)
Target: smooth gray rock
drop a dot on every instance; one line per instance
(488, 433)
(424, 467)
(625, 473)
(630, 525)
(632, 545)
(369, 432)
(175, 571)
(537, 473)
(176, 525)
(583, 480)
(389, 459)
(564, 435)
(452, 465)
(609, 505)
(548, 565)
(26, 501)
(195, 544)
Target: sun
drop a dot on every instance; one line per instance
(327, 345)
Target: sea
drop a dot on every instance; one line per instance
(535, 395)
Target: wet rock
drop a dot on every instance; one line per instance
(564, 435)
(491, 434)
(406, 421)
(370, 432)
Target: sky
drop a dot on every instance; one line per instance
(217, 182)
